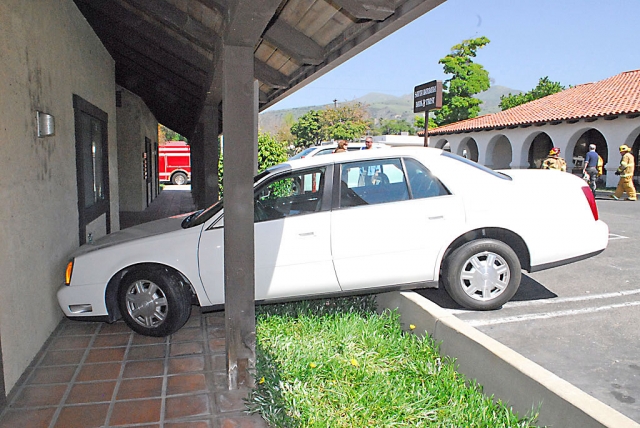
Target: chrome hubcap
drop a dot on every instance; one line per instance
(147, 303)
(485, 276)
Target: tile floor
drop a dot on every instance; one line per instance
(104, 375)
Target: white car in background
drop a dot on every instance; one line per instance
(327, 149)
(359, 222)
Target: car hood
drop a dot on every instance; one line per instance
(144, 230)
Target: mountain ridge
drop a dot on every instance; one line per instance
(382, 106)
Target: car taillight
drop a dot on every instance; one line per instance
(592, 201)
(67, 273)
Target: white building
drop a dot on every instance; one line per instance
(604, 113)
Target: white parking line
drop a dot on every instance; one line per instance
(572, 299)
(547, 315)
(557, 300)
(613, 237)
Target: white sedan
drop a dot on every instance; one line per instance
(364, 221)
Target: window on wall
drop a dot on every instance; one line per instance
(92, 164)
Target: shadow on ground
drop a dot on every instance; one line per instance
(529, 289)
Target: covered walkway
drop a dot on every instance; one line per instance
(104, 375)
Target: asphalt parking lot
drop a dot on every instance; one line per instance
(580, 321)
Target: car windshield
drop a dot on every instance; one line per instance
(199, 217)
(303, 153)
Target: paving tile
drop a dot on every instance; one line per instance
(147, 352)
(69, 327)
(187, 335)
(93, 392)
(111, 340)
(82, 416)
(140, 388)
(40, 395)
(243, 421)
(70, 342)
(185, 406)
(116, 327)
(105, 355)
(139, 339)
(143, 369)
(231, 400)
(136, 412)
(218, 344)
(187, 348)
(184, 384)
(190, 424)
(42, 375)
(186, 364)
(59, 358)
(100, 371)
(219, 362)
(28, 418)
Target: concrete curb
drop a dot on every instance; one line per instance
(503, 373)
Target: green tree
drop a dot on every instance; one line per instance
(307, 130)
(418, 123)
(395, 127)
(545, 87)
(468, 79)
(270, 152)
(165, 134)
(347, 122)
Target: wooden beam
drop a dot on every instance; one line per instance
(179, 21)
(299, 47)
(269, 75)
(106, 12)
(375, 10)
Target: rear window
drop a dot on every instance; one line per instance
(476, 165)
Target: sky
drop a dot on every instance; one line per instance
(570, 41)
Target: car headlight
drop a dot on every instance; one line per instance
(68, 272)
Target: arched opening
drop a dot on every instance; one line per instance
(499, 153)
(469, 150)
(592, 136)
(635, 151)
(440, 144)
(539, 149)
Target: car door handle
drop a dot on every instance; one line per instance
(305, 234)
(437, 217)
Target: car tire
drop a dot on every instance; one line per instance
(179, 178)
(154, 302)
(482, 274)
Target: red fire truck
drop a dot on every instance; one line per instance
(174, 162)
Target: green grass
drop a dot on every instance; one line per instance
(337, 363)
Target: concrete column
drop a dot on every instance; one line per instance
(240, 140)
(210, 131)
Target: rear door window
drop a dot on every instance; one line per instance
(372, 182)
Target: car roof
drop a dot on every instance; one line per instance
(362, 155)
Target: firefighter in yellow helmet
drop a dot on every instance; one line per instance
(554, 161)
(625, 171)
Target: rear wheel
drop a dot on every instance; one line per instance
(482, 274)
(179, 178)
(153, 302)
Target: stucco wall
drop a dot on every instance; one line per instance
(495, 144)
(135, 122)
(49, 53)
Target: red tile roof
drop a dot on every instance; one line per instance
(614, 96)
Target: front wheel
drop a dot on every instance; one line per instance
(482, 274)
(154, 302)
(179, 178)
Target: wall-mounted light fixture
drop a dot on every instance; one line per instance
(46, 124)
